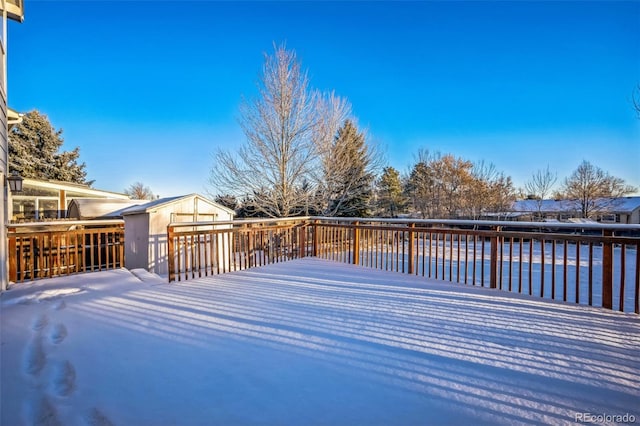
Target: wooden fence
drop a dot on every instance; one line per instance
(592, 264)
(53, 249)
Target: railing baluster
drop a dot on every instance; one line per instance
(565, 271)
(531, 266)
(590, 274)
(458, 259)
(475, 257)
(607, 271)
(482, 263)
(437, 266)
(577, 289)
(637, 292)
(396, 240)
(623, 254)
(553, 269)
(542, 254)
(451, 241)
(520, 244)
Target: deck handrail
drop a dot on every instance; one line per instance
(62, 223)
(504, 224)
(594, 264)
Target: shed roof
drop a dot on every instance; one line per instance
(167, 201)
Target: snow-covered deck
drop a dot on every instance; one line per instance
(307, 342)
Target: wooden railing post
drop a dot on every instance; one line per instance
(251, 244)
(314, 248)
(493, 266)
(356, 243)
(171, 254)
(302, 240)
(607, 271)
(13, 256)
(411, 249)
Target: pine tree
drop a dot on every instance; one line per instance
(347, 176)
(227, 200)
(390, 198)
(34, 148)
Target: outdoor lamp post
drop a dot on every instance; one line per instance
(15, 182)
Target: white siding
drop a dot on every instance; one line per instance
(4, 266)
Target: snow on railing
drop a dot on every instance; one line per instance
(592, 264)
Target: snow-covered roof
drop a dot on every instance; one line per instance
(72, 187)
(613, 205)
(164, 202)
(99, 208)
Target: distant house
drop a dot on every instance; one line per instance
(145, 227)
(623, 210)
(42, 200)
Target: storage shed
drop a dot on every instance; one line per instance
(145, 227)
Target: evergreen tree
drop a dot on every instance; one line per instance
(347, 176)
(390, 198)
(34, 148)
(420, 189)
(227, 200)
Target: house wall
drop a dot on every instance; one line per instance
(4, 148)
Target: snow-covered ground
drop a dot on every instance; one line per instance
(307, 342)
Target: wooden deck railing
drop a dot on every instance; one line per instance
(201, 249)
(38, 250)
(592, 264)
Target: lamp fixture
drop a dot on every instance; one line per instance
(15, 182)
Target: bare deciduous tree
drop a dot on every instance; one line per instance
(139, 191)
(593, 189)
(540, 186)
(278, 155)
(444, 186)
(290, 146)
(434, 184)
(488, 191)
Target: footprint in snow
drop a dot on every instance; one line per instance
(64, 379)
(58, 333)
(35, 357)
(97, 418)
(42, 413)
(40, 323)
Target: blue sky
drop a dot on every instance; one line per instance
(149, 90)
